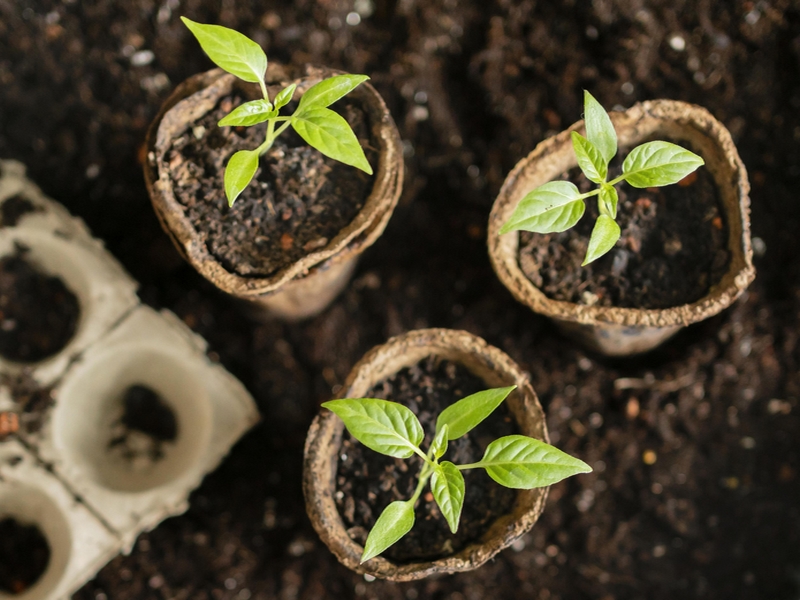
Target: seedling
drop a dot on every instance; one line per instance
(514, 461)
(318, 125)
(558, 205)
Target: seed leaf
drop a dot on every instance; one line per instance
(604, 235)
(447, 485)
(591, 162)
(239, 173)
(610, 199)
(395, 521)
(249, 113)
(328, 91)
(230, 50)
(521, 462)
(553, 207)
(659, 163)
(439, 444)
(599, 129)
(329, 133)
(386, 427)
(283, 97)
(462, 416)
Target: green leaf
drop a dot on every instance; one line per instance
(604, 235)
(659, 163)
(329, 133)
(249, 113)
(239, 173)
(439, 444)
(599, 129)
(521, 462)
(553, 207)
(462, 416)
(591, 162)
(447, 485)
(610, 199)
(386, 427)
(283, 97)
(328, 91)
(230, 50)
(395, 521)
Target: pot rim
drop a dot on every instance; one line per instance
(544, 164)
(352, 239)
(325, 434)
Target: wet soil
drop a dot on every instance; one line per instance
(298, 201)
(367, 482)
(147, 423)
(672, 247)
(24, 555)
(695, 447)
(38, 313)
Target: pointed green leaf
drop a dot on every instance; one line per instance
(553, 207)
(395, 521)
(386, 427)
(521, 462)
(604, 235)
(462, 416)
(329, 133)
(659, 163)
(599, 129)
(610, 199)
(230, 50)
(283, 97)
(439, 444)
(239, 173)
(447, 485)
(328, 91)
(591, 162)
(249, 113)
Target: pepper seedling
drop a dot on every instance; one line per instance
(558, 205)
(318, 125)
(514, 461)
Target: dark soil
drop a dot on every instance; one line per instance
(672, 249)
(14, 208)
(298, 201)
(474, 85)
(144, 412)
(38, 313)
(24, 555)
(367, 482)
(32, 400)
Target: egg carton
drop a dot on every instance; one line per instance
(73, 469)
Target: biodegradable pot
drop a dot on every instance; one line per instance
(307, 286)
(624, 331)
(324, 439)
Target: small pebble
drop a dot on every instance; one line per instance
(677, 43)
(287, 241)
(649, 457)
(632, 408)
(142, 58)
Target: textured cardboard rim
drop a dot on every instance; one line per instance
(325, 434)
(195, 97)
(666, 118)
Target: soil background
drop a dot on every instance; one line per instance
(696, 446)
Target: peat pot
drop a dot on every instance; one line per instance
(618, 331)
(325, 437)
(303, 282)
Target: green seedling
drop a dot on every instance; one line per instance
(514, 461)
(318, 125)
(558, 205)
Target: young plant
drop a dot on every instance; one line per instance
(514, 461)
(318, 125)
(558, 205)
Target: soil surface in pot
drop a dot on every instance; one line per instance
(673, 247)
(367, 482)
(297, 203)
(24, 556)
(147, 424)
(38, 313)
